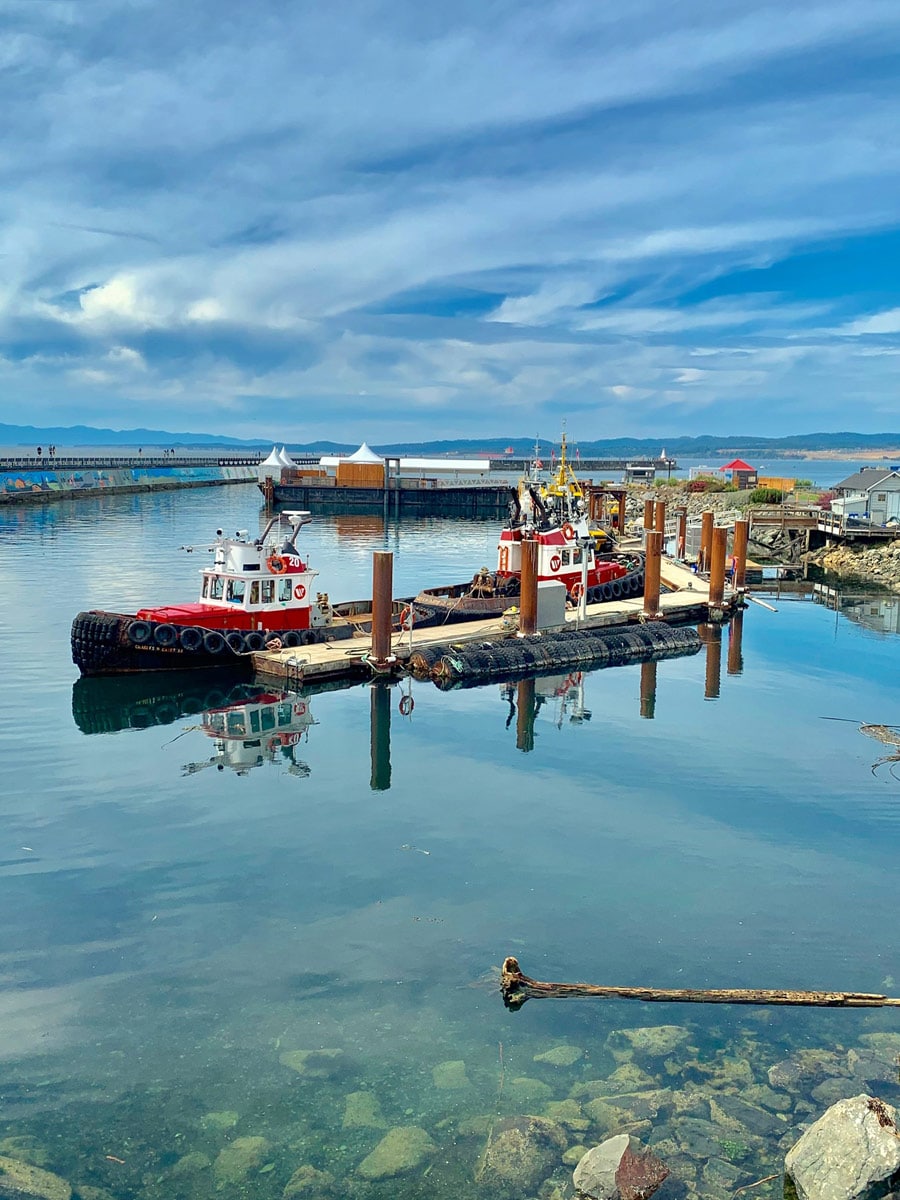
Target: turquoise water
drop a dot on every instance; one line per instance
(171, 934)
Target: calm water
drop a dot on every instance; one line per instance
(172, 928)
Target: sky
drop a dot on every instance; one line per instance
(402, 221)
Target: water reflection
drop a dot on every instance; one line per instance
(878, 612)
(266, 727)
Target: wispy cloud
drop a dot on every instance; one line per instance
(227, 206)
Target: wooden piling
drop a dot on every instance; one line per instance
(516, 988)
(649, 513)
(620, 495)
(739, 551)
(706, 528)
(528, 587)
(681, 534)
(382, 604)
(718, 551)
(659, 517)
(651, 573)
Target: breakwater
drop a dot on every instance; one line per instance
(29, 481)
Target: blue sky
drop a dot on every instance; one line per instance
(399, 220)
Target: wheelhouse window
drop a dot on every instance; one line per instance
(565, 558)
(576, 555)
(268, 591)
(234, 593)
(216, 587)
(285, 589)
(254, 592)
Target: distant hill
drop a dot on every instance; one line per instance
(495, 447)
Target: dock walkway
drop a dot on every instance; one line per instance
(686, 600)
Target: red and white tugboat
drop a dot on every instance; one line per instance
(254, 592)
(553, 515)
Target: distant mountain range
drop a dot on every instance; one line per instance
(688, 447)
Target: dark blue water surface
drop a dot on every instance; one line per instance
(176, 919)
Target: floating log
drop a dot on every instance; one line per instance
(516, 988)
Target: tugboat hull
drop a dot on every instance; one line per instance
(105, 643)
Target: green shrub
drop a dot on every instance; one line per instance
(766, 496)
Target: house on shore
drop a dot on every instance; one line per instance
(872, 494)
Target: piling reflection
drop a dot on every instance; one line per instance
(561, 695)
(648, 690)
(380, 735)
(736, 644)
(711, 636)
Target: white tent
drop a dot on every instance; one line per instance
(365, 455)
(285, 459)
(271, 466)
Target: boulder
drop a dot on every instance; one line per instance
(621, 1168)
(851, 1153)
(22, 1181)
(519, 1155)
(237, 1160)
(402, 1149)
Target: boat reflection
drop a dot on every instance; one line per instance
(266, 727)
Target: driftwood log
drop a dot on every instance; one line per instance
(516, 988)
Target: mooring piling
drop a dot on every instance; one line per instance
(528, 587)
(382, 605)
(706, 528)
(681, 533)
(651, 574)
(718, 553)
(739, 552)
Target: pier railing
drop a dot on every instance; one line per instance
(93, 462)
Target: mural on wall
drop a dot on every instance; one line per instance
(12, 482)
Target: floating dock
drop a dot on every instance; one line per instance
(686, 600)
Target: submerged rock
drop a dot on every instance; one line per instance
(219, 1120)
(526, 1091)
(308, 1182)
(560, 1056)
(621, 1168)
(362, 1111)
(648, 1042)
(520, 1153)
(24, 1148)
(236, 1161)
(188, 1164)
(22, 1180)
(450, 1075)
(851, 1153)
(313, 1064)
(402, 1149)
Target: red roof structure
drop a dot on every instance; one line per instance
(737, 465)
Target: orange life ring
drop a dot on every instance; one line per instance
(555, 562)
(576, 591)
(276, 564)
(568, 532)
(299, 592)
(407, 618)
(407, 704)
(300, 709)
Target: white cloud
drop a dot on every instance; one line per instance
(883, 322)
